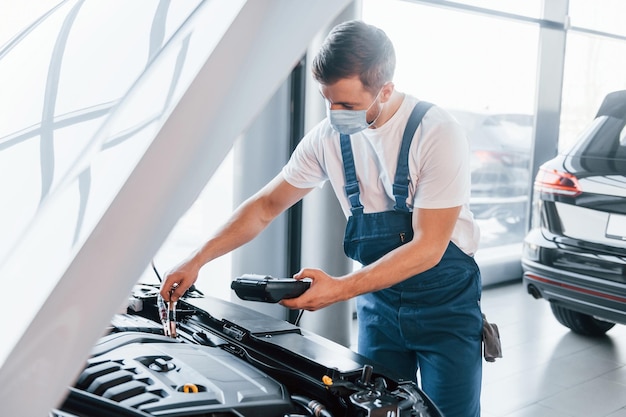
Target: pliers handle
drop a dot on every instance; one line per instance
(167, 313)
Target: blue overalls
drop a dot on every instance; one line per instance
(431, 321)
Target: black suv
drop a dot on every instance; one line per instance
(575, 253)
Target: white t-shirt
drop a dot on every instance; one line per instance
(439, 166)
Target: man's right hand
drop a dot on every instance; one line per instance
(178, 280)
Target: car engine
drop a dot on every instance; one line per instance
(227, 360)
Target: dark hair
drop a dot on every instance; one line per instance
(355, 48)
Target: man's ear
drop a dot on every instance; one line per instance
(386, 91)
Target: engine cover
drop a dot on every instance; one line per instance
(162, 377)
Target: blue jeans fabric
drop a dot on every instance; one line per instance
(431, 322)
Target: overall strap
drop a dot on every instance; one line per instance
(352, 184)
(401, 180)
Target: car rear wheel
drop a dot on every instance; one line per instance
(579, 322)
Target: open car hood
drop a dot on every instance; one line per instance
(108, 108)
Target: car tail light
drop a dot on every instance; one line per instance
(556, 182)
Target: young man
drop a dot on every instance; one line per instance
(409, 224)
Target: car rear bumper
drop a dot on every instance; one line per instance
(605, 300)
(585, 280)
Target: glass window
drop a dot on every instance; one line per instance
(594, 67)
(600, 15)
(482, 69)
(603, 142)
(212, 209)
(529, 8)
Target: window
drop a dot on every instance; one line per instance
(530, 8)
(482, 69)
(212, 208)
(594, 66)
(600, 15)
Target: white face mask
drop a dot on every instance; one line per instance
(348, 122)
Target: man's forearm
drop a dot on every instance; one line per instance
(396, 266)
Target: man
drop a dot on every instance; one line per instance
(409, 223)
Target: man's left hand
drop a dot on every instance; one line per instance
(324, 291)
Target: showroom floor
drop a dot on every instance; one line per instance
(548, 371)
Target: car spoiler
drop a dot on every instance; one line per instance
(614, 105)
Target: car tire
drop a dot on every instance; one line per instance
(580, 323)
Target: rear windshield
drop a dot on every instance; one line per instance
(604, 138)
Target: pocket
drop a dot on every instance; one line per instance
(370, 236)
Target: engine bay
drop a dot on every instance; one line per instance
(226, 360)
